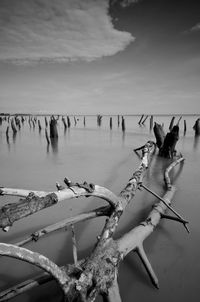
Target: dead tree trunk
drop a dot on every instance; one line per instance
(166, 143)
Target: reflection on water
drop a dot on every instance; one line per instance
(196, 141)
(92, 152)
(54, 144)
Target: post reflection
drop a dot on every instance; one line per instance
(196, 142)
(54, 144)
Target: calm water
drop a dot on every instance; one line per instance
(104, 157)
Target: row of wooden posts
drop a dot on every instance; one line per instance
(18, 121)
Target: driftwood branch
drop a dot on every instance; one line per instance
(35, 201)
(97, 274)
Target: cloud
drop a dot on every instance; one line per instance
(124, 3)
(194, 28)
(61, 30)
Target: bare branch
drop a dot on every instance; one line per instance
(33, 203)
(103, 211)
(143, 257)
(38, 260)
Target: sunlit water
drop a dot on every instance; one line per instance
(105, 157)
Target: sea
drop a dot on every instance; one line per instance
(105, 156)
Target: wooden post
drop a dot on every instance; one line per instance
(7, 132)
(159, 134)
(68, 122)
(13, 126)
(46, 122)
(123, 124)
(141, 119)
(53, 127)
(185, 127)
(110, 123)
(145, 120)
(39, 126)
(196, 127)
(151, 122)
(118, 121)
(47, 137)
(64, 123)
(171, 123)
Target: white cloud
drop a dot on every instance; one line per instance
(194, 28)
(125, 3)
(58, 30)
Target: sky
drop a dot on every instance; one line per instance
(100, 56)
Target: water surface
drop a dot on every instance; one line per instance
(105, 157)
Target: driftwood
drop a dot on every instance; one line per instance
(97, 274)
(166, 143)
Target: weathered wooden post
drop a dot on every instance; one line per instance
(39, 126)
(64, 123)
(7, 132)
(53, 127)
(185, 127)
(171, 123)
(141, 119)
(33, 123)
(47, 137)
(17, 122)
(68, 122)
(110, 123)
(29, 121)
(151, 122)
(145, 120)
(13, 126)
(75, 121)
(159, 134)
(22, 119)
(196, 127)
(123, 124)
(46, 122)
(118, 121)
